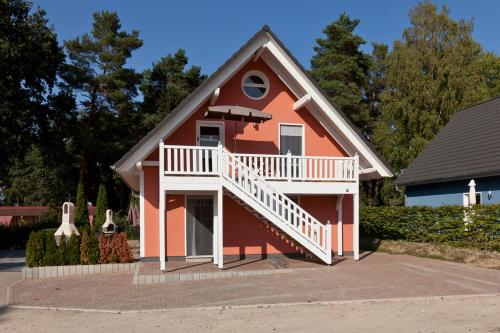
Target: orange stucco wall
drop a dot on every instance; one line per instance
(243, 233)
(263, 138)
(151, 219)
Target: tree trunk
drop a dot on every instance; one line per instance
(86, 134)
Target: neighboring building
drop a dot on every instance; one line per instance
(288, 163)
(467, 148)
(12, 215)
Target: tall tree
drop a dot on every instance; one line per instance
(341, 69)
(97, 73)
(431, 73)
(165, 85)
(30, 58)
(491, 72)
(33, 182)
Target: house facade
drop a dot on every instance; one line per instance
(465, 152)
(255, 162)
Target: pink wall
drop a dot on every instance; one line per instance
(243, 233)
(151, 219)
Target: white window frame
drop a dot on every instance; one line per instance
(303, 136)
(206, 123)
(257, 85)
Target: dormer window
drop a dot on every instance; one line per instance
(255, 85)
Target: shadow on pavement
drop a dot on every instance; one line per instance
(12, 260)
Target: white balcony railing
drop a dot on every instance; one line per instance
(198, 161)
(301, 168)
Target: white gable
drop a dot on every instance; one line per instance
(263, 45)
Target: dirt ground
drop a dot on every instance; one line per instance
(435, 314)
(484, 259)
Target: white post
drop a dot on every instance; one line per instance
(142, 213)
(355, 206)
(215, 246)
(340, 228)
(289, 165)
(220, 151)
(220, 228)
(329, 241)
(161, 205)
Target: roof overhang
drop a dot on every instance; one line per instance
(268, 47)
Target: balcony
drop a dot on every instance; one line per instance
(288, 173)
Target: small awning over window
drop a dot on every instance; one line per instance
(235, 112)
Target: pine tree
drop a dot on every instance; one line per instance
(165, 85)
(49, 257)
(100, 211)
(61, 254)
(73, 250)
(32, 181)
(84, 249)
(96, 71)
(35, 249)
(341, 69)
(81, 211)
(94, 253)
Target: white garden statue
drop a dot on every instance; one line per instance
(67, 227)
(109, 226)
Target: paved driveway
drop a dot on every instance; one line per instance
(11, 263)
(377, 276)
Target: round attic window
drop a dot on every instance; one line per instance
(255, 85)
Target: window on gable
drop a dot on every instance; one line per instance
(255, 85)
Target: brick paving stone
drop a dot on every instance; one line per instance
(376, 276)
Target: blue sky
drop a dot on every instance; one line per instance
(210, 31)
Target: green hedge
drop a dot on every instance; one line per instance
(434, 225)
(41, 249)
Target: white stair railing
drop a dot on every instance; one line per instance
(248, 184)
(276, 207)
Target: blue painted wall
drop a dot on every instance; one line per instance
(451, 193)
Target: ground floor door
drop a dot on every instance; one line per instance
(199, 227)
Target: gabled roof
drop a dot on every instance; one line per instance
(467, 147)
(264, 42)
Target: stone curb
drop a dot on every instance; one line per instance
(140, 279)
(71, 270)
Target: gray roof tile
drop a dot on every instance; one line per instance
(468, 146)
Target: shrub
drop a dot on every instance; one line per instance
(105, 253)
(94, 251)
(122, 225)
(114, 248)
(35, 249)
(84, 249)
(73, 250)
(61, 252)
(100, 211)
(120, 248)
(81, 210)
(49, 257)
(443, 224)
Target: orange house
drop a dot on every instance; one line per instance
(255, 162)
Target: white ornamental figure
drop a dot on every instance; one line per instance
(109, 226)
(67, 227)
